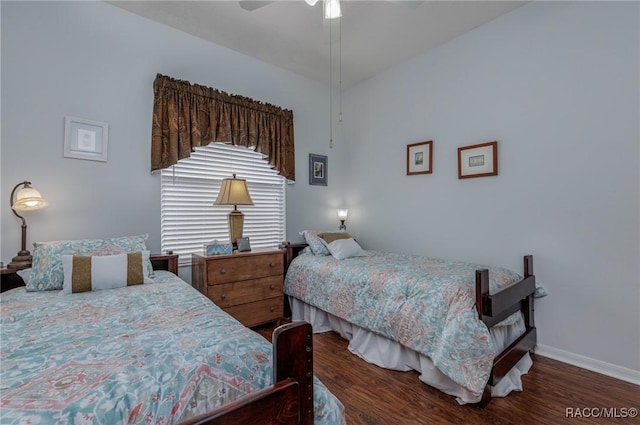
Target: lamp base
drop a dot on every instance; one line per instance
(236, 223)
(21, 261)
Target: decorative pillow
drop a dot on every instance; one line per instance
(47, 272)
(345, 248)
(330, 237)
(95, 273)
(315, 242)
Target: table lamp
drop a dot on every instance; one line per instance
(234, 192)
(27, 199)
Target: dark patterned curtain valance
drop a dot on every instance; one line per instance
(187, 115)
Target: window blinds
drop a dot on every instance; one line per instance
(189, 220)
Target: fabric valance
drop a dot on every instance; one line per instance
(187, 115)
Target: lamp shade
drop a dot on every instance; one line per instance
(342, 213)
(332, 9)
(233, 192)
(28, 199)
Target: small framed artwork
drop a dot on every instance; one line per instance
(419, 158)
(243, 244)
(317, 169)
(478, 160)
(84, 139)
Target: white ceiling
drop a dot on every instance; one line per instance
(375, 35)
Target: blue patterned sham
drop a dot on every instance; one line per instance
(425, 304)
(315, 243)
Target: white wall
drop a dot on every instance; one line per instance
(95, 61)
(556, 84)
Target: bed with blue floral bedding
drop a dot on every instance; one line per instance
(425, 304)
(155, 353)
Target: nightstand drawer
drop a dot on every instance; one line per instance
(249, 267)
(234, 293)
(258, 312)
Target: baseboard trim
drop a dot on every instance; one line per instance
(614, 371)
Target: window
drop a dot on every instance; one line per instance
(188, 189)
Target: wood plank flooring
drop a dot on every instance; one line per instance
(375, 396)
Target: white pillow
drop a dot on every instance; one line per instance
(25, 274)
(345, 248)
(95, 273)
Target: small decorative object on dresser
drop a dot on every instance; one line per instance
(478, 160)
(244, 244)
(247, 285)
(216, 247)
(419, 158)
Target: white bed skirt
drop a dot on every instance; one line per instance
(391, 355)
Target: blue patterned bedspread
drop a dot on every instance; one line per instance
(423, 303)
(150, 354)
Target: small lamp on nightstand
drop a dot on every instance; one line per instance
(234, 192)
(342, 216)
(27, 199)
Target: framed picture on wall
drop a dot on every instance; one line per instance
(317, 170)
(478, 160)
(419, 158)
(85, 139)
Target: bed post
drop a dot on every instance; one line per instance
(482, 290)
(528, 302)
(294, 359)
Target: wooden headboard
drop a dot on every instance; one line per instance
(291, 251)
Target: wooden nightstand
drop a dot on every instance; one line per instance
(9, 279)
(247, 285)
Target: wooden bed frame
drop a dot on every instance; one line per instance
(492, 309)
(289, 401)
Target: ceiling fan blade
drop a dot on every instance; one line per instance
(253, 4)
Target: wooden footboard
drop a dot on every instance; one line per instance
(493, 308)
(290, 400)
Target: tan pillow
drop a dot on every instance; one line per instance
(330, 237)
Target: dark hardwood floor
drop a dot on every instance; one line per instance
(375, 396)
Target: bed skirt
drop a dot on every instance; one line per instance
(391, 355)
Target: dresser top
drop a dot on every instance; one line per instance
(236, 254)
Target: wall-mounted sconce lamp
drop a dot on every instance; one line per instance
(234, 192)
(27, 199)
(342, 216)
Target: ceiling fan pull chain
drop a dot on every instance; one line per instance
(330, 89)
(340, 65)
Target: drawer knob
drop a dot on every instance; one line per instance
(223, 271)
(272, 264)
(223, 296)
(271, 286)
(272, 309)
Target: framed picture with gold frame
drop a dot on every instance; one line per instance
(420, 158)
(478, 160)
